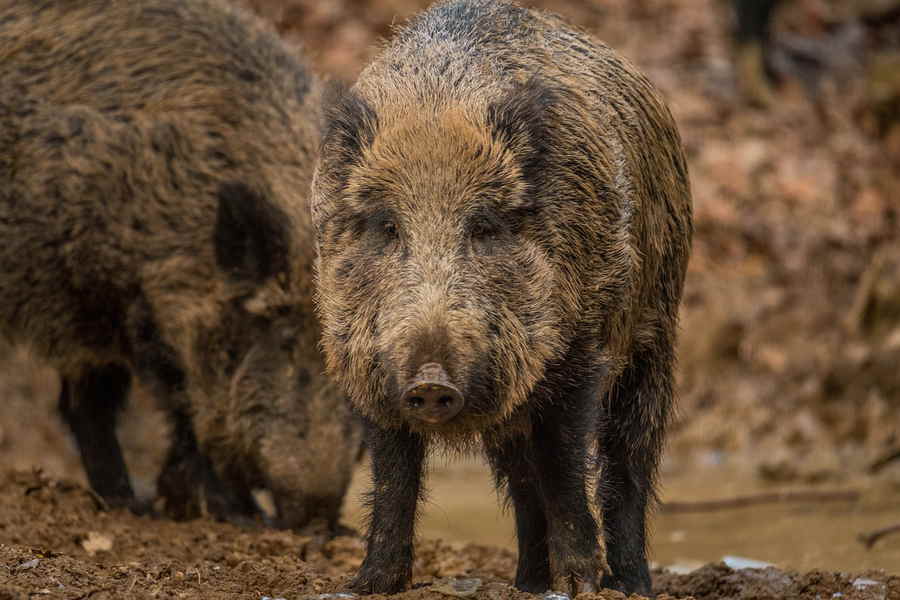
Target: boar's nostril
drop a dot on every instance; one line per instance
(430, 397)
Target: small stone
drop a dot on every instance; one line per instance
(684, 567)
(874, 589)
(460, 588)
(28, 564)
(740, 562)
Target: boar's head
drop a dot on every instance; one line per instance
(266, 414)
(437, 286)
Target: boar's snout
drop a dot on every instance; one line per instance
(430, 397)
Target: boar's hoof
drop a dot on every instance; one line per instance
(634, 585)
(142, 507)
(572, 585)
(431, 398)
(138, 506)
(381, 581)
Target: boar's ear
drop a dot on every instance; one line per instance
(522, 120)
(350, 126)
(251, 234)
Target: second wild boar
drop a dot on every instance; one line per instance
(154, 171)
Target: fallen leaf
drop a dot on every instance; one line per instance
(97, 542)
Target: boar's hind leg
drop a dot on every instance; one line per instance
(397, 459)
(513, 465)
(637, 411)
(89, 404)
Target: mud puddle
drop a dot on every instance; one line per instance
(801, 536)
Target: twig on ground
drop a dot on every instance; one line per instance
(885, 460)
(99, 502)
(764, 498)
(868, 539)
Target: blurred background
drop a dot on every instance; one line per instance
(789, 373)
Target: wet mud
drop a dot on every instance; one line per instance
(58, 542)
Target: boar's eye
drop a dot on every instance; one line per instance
(286, 337)
(382, 228)
(230, 358)
(389, 229)
(484, 231)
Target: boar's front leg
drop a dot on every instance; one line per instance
(397, 460)
(514, 466)
(562, 439)
(89, 403)
(188, 483)
(549, 476)
(630, 445)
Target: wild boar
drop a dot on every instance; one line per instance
(155, 163)
(503, 222)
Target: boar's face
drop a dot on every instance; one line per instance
(269, 417)
(435, 282)
(296, 426)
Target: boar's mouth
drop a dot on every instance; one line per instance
(308, 513)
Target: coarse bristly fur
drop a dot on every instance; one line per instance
(505, 196)
(155, 159)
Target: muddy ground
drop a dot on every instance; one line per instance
(789, 349)
(59, 544)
